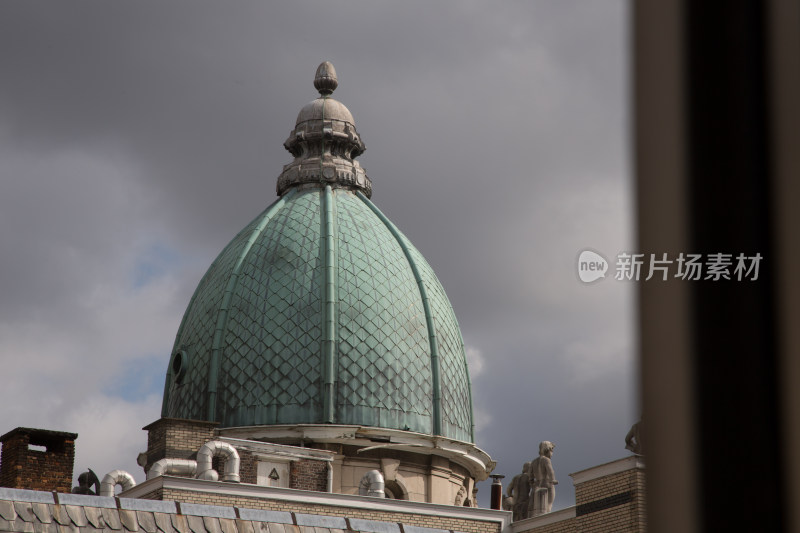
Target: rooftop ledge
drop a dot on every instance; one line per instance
(606, 469)
(246, 490)
(543, 520)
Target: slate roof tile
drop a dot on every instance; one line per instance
(77, 515)
(29, 515)
(51, 527)
(21, 526)
(163, 523)
(146, 521)
(128, 519)
(60, 515)
(24, 511)
(180, 523)
(245, 526)
(43, 512)
(7, 511)
(196, 524)
(212, 524)
(228, 526)
(111, 518)
(93, 515)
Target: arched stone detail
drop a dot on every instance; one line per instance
(396, 489)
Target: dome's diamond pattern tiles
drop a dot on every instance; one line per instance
(270, 369)
(189, 400)
(384, 374)
(453, 374)
(270, 364)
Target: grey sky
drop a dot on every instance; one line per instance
(137, 138)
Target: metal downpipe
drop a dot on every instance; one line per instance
(217, 448)
(114, 478)
(372, 484)
(168, 465)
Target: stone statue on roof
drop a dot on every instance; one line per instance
(633, 440)
(542, 478)
(518, 493)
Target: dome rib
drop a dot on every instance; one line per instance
(329, 331)
(437, 390)
(222, 316)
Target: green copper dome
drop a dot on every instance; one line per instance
(320, 311)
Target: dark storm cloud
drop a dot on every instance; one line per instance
(149, 133)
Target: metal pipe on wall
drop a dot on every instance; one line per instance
(114, 478)
(218, 448)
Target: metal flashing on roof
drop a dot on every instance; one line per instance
(24, 495)
(87, 499)
(217, 511)
(136, 504)
(262, 515)
(374, 526)
(314, 520)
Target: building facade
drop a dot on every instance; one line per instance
(318, 379)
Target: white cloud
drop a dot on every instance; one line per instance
(109, 433)
(75, 330)
(481, 418)
(475, 361)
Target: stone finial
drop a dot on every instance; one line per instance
(325, 80)
(324, 143)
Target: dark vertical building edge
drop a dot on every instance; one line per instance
(729, 176)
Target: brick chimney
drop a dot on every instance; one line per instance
(37, 459)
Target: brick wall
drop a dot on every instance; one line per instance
(181, 439)
(24, 468)
(609, 498)
(308, 474)
(612, 503)
(440, 522)
(176, 438)
(248, 467)
(565, 526)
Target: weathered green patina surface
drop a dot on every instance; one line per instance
(256, 326)
(320, 310)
